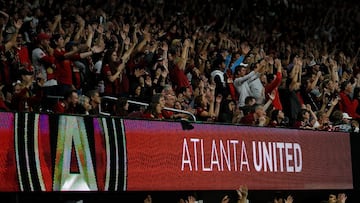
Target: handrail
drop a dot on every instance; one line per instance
(131, 102)
(103, 113)
(146, 104)
(138, 103)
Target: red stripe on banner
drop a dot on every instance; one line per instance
(8, 173)
(162, 156)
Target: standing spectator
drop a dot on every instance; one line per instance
(347, 103)
(7, 74)
(177, 66)
(219, 77)
(63, 70)
(310, 91)
(64, 61)
(44, 65)
(19, 56)
(116, 82)
(292, 101)
(256, 87)
(274, 84)
(330, 92)
(43, 59)
(242, 80)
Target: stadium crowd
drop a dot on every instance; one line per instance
(262, 63)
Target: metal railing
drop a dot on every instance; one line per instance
(131, 102)
(146, 104)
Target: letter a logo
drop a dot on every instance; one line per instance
(72, 137)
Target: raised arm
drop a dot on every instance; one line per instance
(295, 75)
(313, 84)
(334, 70)
(81, 23)
(184, 54)
(113, 77)
(90, 36)
(277, 81)
(55, 24)
(2, 26)
(312, 113)
(127, 54)
(269, 101)
(146, 39)
(334, 102)
(239, 81)
(11, 43)
(218, 100)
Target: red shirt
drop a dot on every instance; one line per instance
(152, 117)
(61, 107)
(167, 114)
(180, 78)
(63, 69)
(24, 58)
(274, 86)
(347, 105)
(48, 61)
(120, 86)
(248, 119)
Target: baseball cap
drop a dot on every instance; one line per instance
(346, 116)
(243, 64)
(42, 36)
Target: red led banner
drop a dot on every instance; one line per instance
(162, 156)
(79, 153)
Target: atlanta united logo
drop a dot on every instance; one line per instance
(69, 153)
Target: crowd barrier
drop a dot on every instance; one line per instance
(48, 152)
